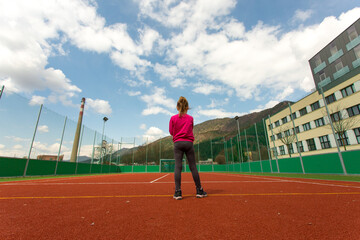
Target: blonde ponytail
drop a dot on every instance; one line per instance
(182, 105)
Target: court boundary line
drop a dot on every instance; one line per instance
(160, 178)
(189, 195)
(293, 181)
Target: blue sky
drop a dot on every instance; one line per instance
(132, 60)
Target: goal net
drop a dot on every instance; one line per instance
(168, 165)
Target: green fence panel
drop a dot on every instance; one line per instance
(352, 162)
(255, 166)
(274, 166)
(83, 168)
(237, 167)
(40, 167)
(105, 169)
(266, 166)
(290, 165)
(66, 168)
(153, 168)
(220, 168)
(114, 169)
(12, 167)
(140, 168)
(95, 168)
(205, 168)
(326, 163)
(125, 169)
(245, 167)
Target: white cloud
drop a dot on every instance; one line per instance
(2, 146)
(133, 93)
(43, 128)
(143, 126)
(302, 16)
(178, 83)
(98, 106)
(37, 100)
(206, 89)
(216, 48)
(218, 103)
(153, 133)
(17, 146)
(269, 104)
(218, 113)
(17, 139)
(157, 102)
(287, 91)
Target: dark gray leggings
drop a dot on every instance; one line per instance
(180, 148)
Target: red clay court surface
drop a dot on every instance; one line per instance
(140, 206)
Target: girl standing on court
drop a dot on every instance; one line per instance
(181, 128)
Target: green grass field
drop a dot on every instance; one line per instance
(352, 178)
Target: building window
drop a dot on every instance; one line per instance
(293, 115)
(357, 52)
(344, 140)
(322, 76)
(348, 90)
(303, 111)
(357, 134)
(279, 136)
(277, 123)
(333, 48)
(317, 60)
(338, 65)
(330, 99)
(325, 142)
(335, 117)
(352, 33)
(287, 133)
(270, 126)
(306, 126)
(290, 148)
(300, 146)
(274, 151)
(315, 105)
(297, 130)
(311, 144)
(282, 150)
(319, 122)
(354, 110)
(272, 138)
(284, 120)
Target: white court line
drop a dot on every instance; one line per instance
(159, 178)
(124, 183)
(296, 181)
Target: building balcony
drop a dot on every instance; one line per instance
(319, 68)
(356, 63)
(324, 82)
(353, 43)
(341, 72)
(336, 56)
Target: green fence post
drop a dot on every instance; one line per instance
(257, 140)
(247, 149)
(212, 155)
(133, 157)
(146, 156)
(267, 145)
(2, 90)
(78, 153)
(272, 132)
(92, 155)
(32, 141)
(61, 141)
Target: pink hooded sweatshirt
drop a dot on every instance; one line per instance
(181, 128)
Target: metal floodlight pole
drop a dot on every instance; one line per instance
(267, 145)
(102, 139)
(232, 154)
(32, 141)
(257, 140)
(93, 150)
(333, 131)
(61, 141)
(297, 140)
(272, 132)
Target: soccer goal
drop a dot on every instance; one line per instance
(168, 165)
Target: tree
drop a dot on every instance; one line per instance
(342, 122)
(287, 136)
